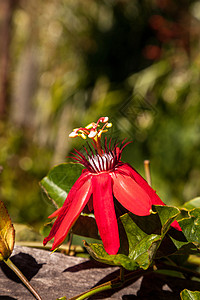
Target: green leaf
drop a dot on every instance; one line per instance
(144, 235)
(98, 252)
(59, 181)
(187, 249)
(194, 203)
(183, 242)
(190, 225)
(167, 215)
(188, 241)
(142, 243)
(189, 295)
(7, 233)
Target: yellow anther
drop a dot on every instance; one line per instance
(91, 125)
(101, 131)
(82, 135)
(91, 130)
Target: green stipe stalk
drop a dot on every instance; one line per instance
(147, 171)
(25, 281)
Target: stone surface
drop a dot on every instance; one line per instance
(56, 275)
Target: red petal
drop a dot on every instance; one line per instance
(127, 169)
(104, 212)
(90, 204)
(133, 197)
(155, 199)
(176, 225)
(80, 200)
(61, 212)
(55, 213)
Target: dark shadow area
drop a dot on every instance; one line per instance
(162, 287)
(25, 263)
(168, 246)
(108, 277)
(91, 264)
(149, 224)
(7, 298)
(177, 235)
(111, 292)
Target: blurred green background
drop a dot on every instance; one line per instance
(66, 63)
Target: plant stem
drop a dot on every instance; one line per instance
(178, 269)
(69, 243)
(97, 290)
(147, 171)
(22, 278)
(121, 274)
(100, 288)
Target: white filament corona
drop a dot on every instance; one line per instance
(101, 163)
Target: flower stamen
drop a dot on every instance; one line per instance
(91, 131)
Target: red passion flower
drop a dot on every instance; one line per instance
(105, 180)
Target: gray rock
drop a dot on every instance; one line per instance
(56, 275)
